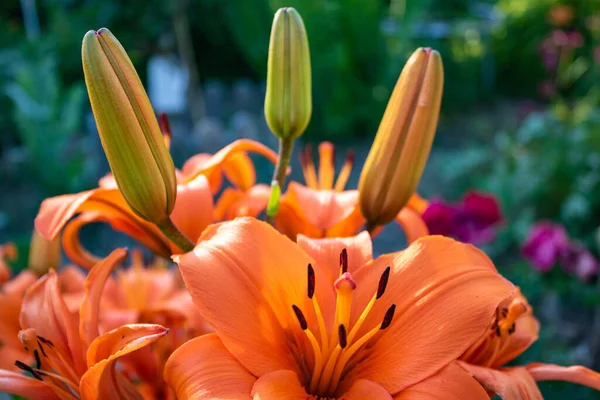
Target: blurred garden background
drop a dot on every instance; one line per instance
(520, 118)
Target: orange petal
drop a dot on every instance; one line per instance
(229, 198)
(440, 287)
(291, 221)
(45, 311)
(412, 224)
(326, 252)
(202, 368)
(193, 210)
(20, 283)
(574, 374)
(509, 383)
(451, 383)
(29, 388)
(279, 385)
(366, 390)
(234, 203)
(105, 206)
(417, 203)
(239, 169)
(215, 163)
(322, 208)
(244, 277)
(102, 380)
(347, 226)
(94, 286)
(195, 164)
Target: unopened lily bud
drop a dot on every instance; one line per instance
(44, 254)
(129, 131)
(397, 158)
(288, 101)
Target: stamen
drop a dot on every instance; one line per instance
(347, 354)
(387, 319)
(41, 348)
(344, 287)
(326, 165)
(344, 174)
(308, 167)
(22, 366)
(38, 361)
(383, 281)
(344, 261)
(301, 318)
(342, 336)
(45, 341)
(311, 281)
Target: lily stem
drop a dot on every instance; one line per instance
(285, 154)
(175, 235)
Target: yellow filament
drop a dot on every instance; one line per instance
(326, 376)
(54, 356)
(310, 174)
(318, 358)
(346, 354)
(361, 319)
(326, 166)
(342, 179)
(322, 328)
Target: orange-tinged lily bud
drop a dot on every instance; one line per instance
(129, 130)
(397, 158)
(288, 101)
(44, 254)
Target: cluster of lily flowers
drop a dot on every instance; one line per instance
(291, 308)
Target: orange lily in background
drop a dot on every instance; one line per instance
(71, 359)
(512, 330)
(323, 208)
(321, 318)
(192, 213)
(11, 297)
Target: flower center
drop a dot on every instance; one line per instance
(325, 179)
(50, 366)
(334, 351)
(494, 342)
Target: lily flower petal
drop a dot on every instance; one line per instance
(366, 390)
(210, 167)
(326, 252)
(29, 388)
(245, 289)
(235, 203)
(94, 286)
(45, 311)
(240, 171)
(282, 384)
(575, 374)
(193, 209)
(509, 383)
(203, 369)
(436, 282)
(413, 225)
(451, 383)
(102, 380)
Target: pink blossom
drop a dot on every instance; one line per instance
(545, 245)
(578, 260)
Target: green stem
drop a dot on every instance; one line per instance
(175, 235)
(285, 154)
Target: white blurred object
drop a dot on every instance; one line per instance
(167, 84)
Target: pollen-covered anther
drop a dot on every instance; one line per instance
(344, 261)
(387, 319)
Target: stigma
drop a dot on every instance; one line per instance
(334, 350)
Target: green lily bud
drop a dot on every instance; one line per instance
(288, 101)
(397, 158)
(128, 128)
(44, 254)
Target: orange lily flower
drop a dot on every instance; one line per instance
(512, 331)
(71, 359)
(192, 213)
(11, 297)
(323, 208)
(321, 318)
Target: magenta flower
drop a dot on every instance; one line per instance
(473, 220)
(578, 260)
(545, 245)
